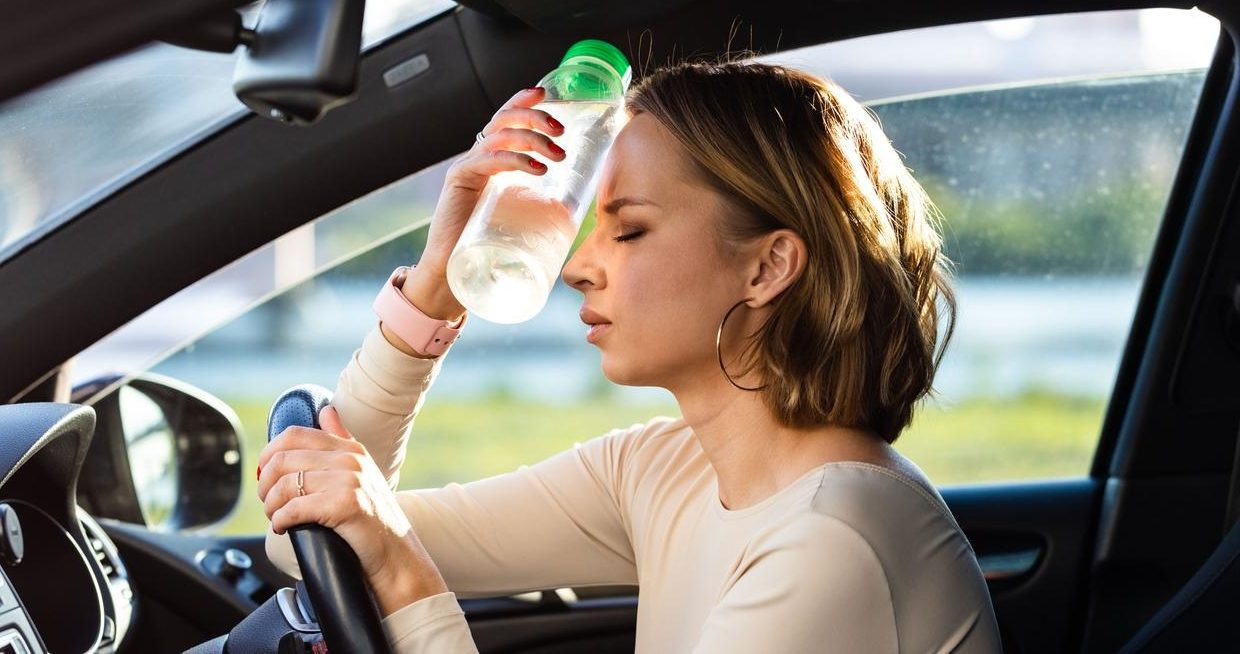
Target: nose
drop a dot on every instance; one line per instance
(582, 271)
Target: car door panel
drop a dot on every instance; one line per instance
(1005, 522)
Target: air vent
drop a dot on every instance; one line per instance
(101, 556)
(104, 552)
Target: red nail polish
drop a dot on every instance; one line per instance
(533, 88)
(260, 473)
(556, 149)
(537, 165)
(555, 124)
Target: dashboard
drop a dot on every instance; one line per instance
(63, 586)
(53, 595)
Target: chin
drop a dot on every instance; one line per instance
(617, 372)
(613, 375)
(628, 372)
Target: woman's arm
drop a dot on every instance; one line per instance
(549, 525)
(558, 522)
(379, 395)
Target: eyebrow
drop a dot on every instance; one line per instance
(615, 205)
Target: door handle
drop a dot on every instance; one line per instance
(1007, 566)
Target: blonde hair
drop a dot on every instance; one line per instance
(852, 341)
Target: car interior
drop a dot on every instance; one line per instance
(1139, 554)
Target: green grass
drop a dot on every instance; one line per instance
(1038, 435)
(1034, 436)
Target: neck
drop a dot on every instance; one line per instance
(753, 455)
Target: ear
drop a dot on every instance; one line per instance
(779, 260)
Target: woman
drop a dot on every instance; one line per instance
(762, 253)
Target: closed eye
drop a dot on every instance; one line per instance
(630, 236)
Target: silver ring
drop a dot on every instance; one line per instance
(301, 487)
(479, 137)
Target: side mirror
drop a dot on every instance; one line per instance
(165, 454)
(302, 59)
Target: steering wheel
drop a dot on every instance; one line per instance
(338, 592)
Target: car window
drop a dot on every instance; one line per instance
(1049, 145)
(1051, 179)
(67, 144)
(1050, 207)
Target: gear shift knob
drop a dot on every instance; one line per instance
(298, 406)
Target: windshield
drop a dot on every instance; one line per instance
(69, 143)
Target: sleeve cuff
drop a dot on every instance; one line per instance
(386, 363)
(431, 624)
(382, 377)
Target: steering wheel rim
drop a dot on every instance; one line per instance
(338, 592)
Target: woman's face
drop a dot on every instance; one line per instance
(653, 268)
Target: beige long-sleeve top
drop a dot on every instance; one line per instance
(852, 557)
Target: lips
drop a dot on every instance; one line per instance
(598, 324)
(591, 317)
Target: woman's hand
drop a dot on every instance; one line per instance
(510, 132)
(345, 492)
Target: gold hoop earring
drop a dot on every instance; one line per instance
(719, 351)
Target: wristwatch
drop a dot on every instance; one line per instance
(426, 335)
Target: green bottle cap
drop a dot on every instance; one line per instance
(603, 52)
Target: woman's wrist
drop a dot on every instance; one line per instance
(427, 288)
(415, 578)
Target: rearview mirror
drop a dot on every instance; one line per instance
(165, 454)
(302, 59)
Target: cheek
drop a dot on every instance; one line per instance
(669, 284)
(668, 299)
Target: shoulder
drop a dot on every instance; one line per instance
(644, 460)
(814, 543)
(824, 572)
(641, 439)
(811, 579)
(892, 527)
(886, 504)
(897, 525)
(909, 576)
(637, 446)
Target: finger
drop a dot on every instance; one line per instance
(511, 138)
(524, 98)
(329, 418)
(316, 508)
(286, 463)
(314, 482)
(487, 163)
(304, 438)
(523, 118)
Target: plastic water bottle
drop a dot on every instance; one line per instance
(519, 234)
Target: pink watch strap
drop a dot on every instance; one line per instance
(419, 331)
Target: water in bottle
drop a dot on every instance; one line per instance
(516, 240)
